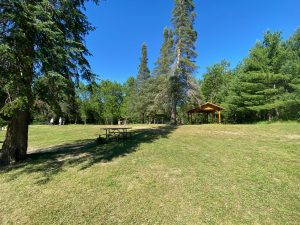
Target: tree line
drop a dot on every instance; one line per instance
(264, 86)
(152, 97)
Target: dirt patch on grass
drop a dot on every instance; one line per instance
(292, 137)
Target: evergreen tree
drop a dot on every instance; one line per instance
(37, 39)
(264, 82)
(141, 98)
(262, 88)
(159, 86)
(183, 84)
(166, 58)
(144, 72)
(291, 100)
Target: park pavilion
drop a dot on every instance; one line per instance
(207, 108)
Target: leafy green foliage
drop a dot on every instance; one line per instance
(129, 96)
(100, 102)
(112, 99)
(215, 84)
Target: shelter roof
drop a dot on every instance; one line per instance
(206, 108)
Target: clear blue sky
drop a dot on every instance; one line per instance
(227, 29)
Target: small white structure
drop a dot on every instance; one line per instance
(122, 121)
(3, 128)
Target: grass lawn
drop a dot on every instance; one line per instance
(208, 174)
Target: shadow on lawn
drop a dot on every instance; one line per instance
(85, 153)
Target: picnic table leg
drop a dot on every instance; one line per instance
(106, 135)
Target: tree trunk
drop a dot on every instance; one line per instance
(143, 118)
(15, 145)
(174, 113)
(14, 148)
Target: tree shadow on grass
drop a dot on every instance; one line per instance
(82, 154)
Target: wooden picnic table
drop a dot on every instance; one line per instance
(116, 132)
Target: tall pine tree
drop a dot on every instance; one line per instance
(183, 84)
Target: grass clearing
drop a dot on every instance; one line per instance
(208, 174)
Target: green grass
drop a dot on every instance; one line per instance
(2, 134)
(208, 174)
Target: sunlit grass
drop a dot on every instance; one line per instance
(208, 174)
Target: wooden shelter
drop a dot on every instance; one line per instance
(206, 108)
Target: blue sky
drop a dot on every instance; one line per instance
(227, 29)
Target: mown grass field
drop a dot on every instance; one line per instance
(208, 174)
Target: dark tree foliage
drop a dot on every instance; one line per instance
(166, 58)
(141, 98)
(144, 72)
(40, 42)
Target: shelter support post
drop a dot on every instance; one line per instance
(219, 113)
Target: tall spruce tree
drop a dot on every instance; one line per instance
(159, 86)
(183, 84)
(166, 58)
(38, 39)
(144, 72)
(143, 76)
